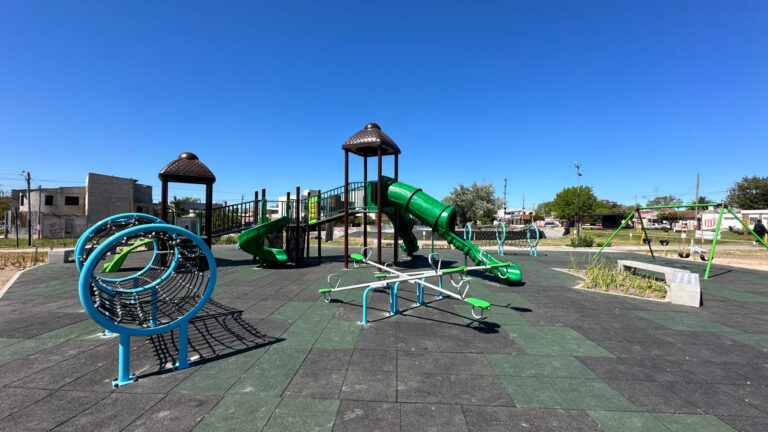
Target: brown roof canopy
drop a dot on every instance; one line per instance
(187, 168)
(367, 141)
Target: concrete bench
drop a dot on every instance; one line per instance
(682, 286)
(61, 256)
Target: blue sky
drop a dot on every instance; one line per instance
(643, 94)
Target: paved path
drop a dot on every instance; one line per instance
(275, 357)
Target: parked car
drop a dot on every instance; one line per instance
(664, 226)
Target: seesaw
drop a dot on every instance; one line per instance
(418, 278)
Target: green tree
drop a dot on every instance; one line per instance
(701, 200)
(572, 201)
(751, 193)
(180, 205)
(475, 202)
(665, 200)
(544, 209)
(5, 203)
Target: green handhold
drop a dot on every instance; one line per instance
(357, 257)
(324, 290)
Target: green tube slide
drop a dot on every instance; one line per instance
(252, 241)
(412, 201)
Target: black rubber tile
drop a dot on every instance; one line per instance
(71, 369)
(370, 385)
(716, 400)
(176, 412)
(373, 339)
(113, 413)
(51, 411)
(315, 384)
(15, 399)
(33, 363)
(431, 418)
(447, 363)
(653, 396)
(753, 394)
(442, 388)
(373, 360)
(328, 358)
(354, 416)
(613, 368)
(513, 419)
(746, 424)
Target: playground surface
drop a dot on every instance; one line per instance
(273, 356)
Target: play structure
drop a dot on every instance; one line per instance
(685, 248)
(399, 202)
(174, 280)
(390, 279)
(252, 241)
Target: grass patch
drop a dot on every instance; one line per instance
(600, 275)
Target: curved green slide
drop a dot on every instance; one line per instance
(118, 260)
(411, 201)
(252, 241)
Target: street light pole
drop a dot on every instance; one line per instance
(578, 198)
(29, 209)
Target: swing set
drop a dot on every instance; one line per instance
(685, 250)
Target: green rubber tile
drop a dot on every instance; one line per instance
(321, 310)
(291, 310)
(271, 373)
(4, 342)
(25, 348)
(540, 366)
(618, 421)
(732, 293)
(756, 340)
(306, 415)
(84, 328)
(537, 392)
(63, 286)
(692, 422)
(496, 314)
(540, 346)
(230, 282)
(684, 321)
(239, 413)
(216, 377)
(575, 343)
(593, 394)
(567, 393)
(339, 334)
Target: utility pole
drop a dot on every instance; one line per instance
(29, 209)
(578, 198)
(696, 209)
(39, 217)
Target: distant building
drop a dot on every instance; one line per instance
(66, 212)
(515, 216)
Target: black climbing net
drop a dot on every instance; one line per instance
(162, 291)
(106, 230)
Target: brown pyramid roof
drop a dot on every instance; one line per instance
(187, 168)
(367, 142)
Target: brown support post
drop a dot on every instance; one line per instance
(164, 202)
(264, 204)
(319, 226)
(378, 212)
(255, 207)
(208, 212)
(346, 209)
(395, 251)
(298, 222)
(365, 201)
(255, 214)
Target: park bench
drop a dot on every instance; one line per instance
(683, 287)
(61, 256)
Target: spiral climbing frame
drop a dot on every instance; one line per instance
(173, 282)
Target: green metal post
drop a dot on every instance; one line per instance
(714, 241)
(614, 234)
(433, 240)
(645, 234)
(762, 242)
